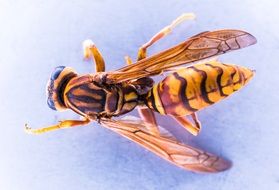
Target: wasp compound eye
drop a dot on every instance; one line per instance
(56, 86)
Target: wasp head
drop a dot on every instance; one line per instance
(56, 85)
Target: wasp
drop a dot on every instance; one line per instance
(195, 81)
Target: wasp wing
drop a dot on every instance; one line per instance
(198, 47)
(167, 146)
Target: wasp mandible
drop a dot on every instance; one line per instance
(188, 88)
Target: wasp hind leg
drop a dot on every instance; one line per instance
(164, 32)
(91, 51)
(147, 115)
(193, 128)
(62, 125)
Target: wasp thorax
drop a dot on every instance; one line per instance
(56, 86)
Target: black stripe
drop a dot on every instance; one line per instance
(88, 110)
(233, 73)
(90, 90)
(242, 77)
(182, 92)
(86, 99)
(203, 85)
(237, 71)
(127, 90)
(83, 98)
(219, 76)
(152, 99)
(159, 96)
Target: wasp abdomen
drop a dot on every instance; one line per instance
(193, 88)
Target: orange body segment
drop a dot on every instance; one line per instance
(193, 88)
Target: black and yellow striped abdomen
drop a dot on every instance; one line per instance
(193, 88)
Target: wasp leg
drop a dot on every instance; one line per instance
(91, 51)
(147, 115)
(196, 120)
(128, 60)
(193, 128)
(164, 32)
(62, 125)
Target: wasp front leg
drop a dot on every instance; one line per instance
(164, 32)
(62, 125)
(91, 51)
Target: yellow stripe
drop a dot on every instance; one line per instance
(157, 100)
(130, 96)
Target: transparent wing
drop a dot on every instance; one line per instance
(166, 146)
(199, 47)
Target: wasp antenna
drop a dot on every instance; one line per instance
(27, 129)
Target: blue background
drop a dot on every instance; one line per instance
(37, 36)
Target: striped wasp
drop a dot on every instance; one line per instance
(102, 96)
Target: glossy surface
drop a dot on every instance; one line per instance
(37, 36)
